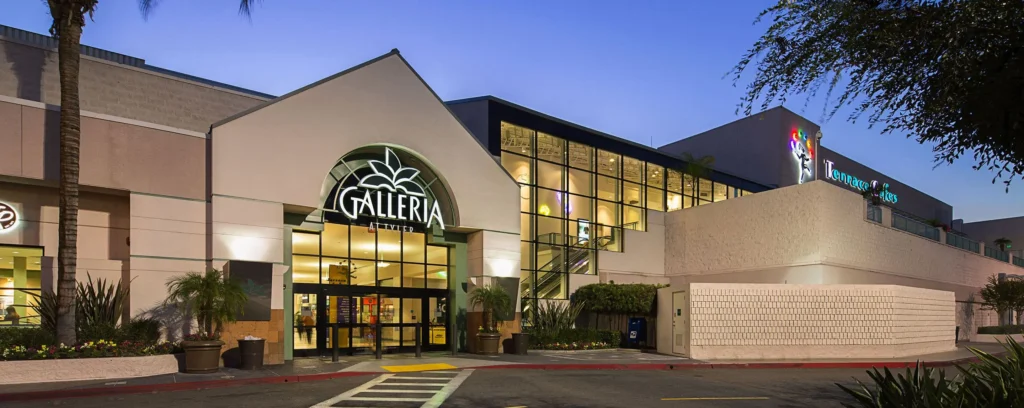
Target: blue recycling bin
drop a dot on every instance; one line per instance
(637, 333)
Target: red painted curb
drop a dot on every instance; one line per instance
(153, 388)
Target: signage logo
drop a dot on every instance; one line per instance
(803, 153)
(859, 184)
(390, 192)
(8, 218)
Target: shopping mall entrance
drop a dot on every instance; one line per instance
(374, 288)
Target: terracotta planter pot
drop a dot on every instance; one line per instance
(202, 356)
(488, 342)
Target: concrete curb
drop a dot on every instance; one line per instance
(202, 385)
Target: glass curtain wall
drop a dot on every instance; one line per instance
(576, 199)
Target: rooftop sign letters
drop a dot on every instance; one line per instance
(8, 218)
(391, 192)
(859, 184)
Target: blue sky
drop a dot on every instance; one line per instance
(652, 74)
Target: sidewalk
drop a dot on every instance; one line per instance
(315, 369)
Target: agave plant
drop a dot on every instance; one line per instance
(100, 303)
(556, 316)
(922, 387)
(46, 308)
(995, 381)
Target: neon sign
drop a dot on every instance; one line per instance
(859, 184)
(8, 218)
(803, 153)
(389, 191)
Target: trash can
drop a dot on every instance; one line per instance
(252, 353)
(637, 332)
(520, 342)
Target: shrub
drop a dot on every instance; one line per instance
(628, 299)
(90, 349)
(583, 339)
(1011, 329)
(146, 330)
(19, 336)
(98, 331)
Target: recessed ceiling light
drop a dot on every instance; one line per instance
(15, 251)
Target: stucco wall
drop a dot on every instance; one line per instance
(643, 260)
(30, 72)
(778, 231)
(748, 321)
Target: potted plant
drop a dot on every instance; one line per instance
(212, 300)
(495, 303)
(1003, 243)
(873, 194)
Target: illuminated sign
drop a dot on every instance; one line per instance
(389, 191)
(8, 218)
(583, 230)
(881, 189)
(803, 153)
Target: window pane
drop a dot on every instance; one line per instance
(608, 163)
(633, 218)
(655, 175)
(745, 193)
(305, 269)
(655, 197)
(412, 246)
(632, 193)
(674, 202)
(364, 272)
(389, 245)
(526, 255)
(526, 227)
(608, 212)
(524, 198)
(550, 258)
(526, 286)
(437, 255)
(518, 167)
(551, 203)
(583, 261)
(305, 243)
(608, 188)
(581, 182)
(689, 188)
(610, 238)
(335, 240)
(334, 271)
(632, 169)
(687, 201)
(703, 202)
(580, 207)
(732, 192)
(580, 234)
(413, 276)
(517, 139)
(550, 230)
(704, 190)
(389, 274)
(675, 181)
(581, 156)
(437, 277)
(552, 285)
(363, 245)
(550, 148)
(550, 175)
(721, 193)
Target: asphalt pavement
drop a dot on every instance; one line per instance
(753, 388)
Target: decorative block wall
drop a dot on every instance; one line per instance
(765, 321)
(272, 331)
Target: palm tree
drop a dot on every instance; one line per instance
(494, 301)
(698, 166)
(1003, 243)
(68, 19)
(209, 297)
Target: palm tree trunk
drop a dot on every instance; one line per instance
(69, 30)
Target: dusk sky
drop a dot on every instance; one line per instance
(652, 74)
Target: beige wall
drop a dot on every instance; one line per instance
(30, 72)
(114, 155)
(754, 321)
(812, 233)
(282, 152)
(643, 258)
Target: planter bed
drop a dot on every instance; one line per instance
(995, 338)
(78, 369)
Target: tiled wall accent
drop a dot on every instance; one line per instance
(735, 321)
(272, 331)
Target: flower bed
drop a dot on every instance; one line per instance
(92, 349)
(597, 345)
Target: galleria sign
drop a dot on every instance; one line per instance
(389, 192)
(859, 184)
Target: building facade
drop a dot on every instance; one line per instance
(360, 211)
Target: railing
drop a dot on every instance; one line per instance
(995, 253)
(1018, 261)
(915, 227)
(963, 242)
(875, 213)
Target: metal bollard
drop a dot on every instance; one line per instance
(379, 343)
(419, 341)
(334, 344)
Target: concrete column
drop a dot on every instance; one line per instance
(886, 215)
(21, 281)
